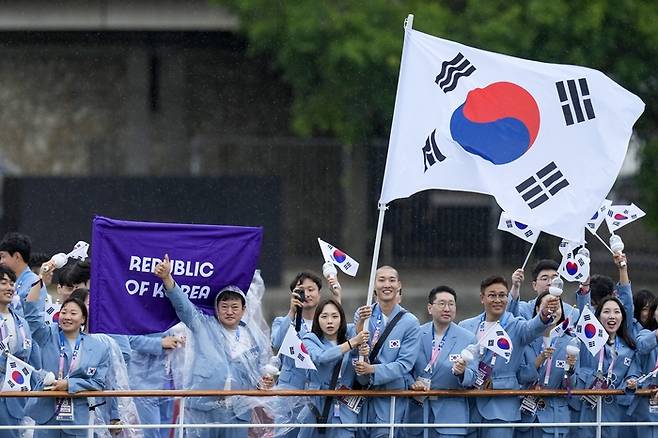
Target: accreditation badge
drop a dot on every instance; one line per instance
(483, 377)
(600, 382)
(353, 403)
(65, 409)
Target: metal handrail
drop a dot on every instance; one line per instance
(327, 392)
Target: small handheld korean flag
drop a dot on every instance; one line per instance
(599, 216)
(497, 340)
(52, 313)
(294, 348)
(621, 215)
(519, 229)
(17, 375)
(559, 329)
(575, 267)
(590, 331)
(332, 254)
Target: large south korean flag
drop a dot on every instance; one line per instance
(546, 140)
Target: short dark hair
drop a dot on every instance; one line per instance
(600, 286)
(8, 272)
(229, 295)
(17, 243)
(544, 265)
(652, 324)
(80, 304)
(492, 279)
(439, 289)
(63, 275)
(37, 259)
(299, 278)
(538, 303)
(80, 272)
(341, 334)
(621, 331)
(81, 293)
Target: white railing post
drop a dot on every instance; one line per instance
(599, 415)
(181, 418)
(391, 418)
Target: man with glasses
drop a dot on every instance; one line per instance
(545, 271)
(440, 366)
(501, 373)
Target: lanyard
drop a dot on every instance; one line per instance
(613, 357)
(62, 352)
(436, 348)
(375, 337)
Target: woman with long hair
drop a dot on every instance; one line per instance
(615, 366)
(332, 344)
(549, 366)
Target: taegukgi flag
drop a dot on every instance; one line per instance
(126, 297)
(334, 255)
(17, 374)
(519, 229)
(519, 130)
(591, 332)
(618, 216)
(294, 348)
(497, 340)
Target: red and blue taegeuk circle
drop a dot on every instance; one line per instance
(339, 255)
(503, 344)
(590, 331)
(499, 122)
(571, 267)
(17, 377)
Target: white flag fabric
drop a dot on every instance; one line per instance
(52, 313)
(574, 267)
(17, 375)
(599, 216)
(519, 229)
(559, 329)
(332, 254)
(497, 340)
(294, 348)
(567, 246)
(621, 215)
(590, 331)
(470, 120)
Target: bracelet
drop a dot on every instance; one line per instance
(349, 344)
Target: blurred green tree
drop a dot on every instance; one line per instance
(341, 58)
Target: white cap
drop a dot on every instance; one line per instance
(232, 288)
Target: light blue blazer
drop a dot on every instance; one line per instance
(290, 377)
(211, 363)
(325, 355)
(146, 368)
(557, 408)
(444, 409)
(393, 363)
(639, 407)
(89, 375)
(522, 332)
(15, 406)
(23, 284)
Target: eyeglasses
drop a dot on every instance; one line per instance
(546, 278)
(444, 304)
(495, 297)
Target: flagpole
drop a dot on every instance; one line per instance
(527, 257)
(375, 255)
(604, 244)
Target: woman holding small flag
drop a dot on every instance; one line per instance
(552, 359)
(16, 341)
(79, 361)
(614, 366)
(332, 345)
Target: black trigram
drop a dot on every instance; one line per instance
(587, 317)
(547, 181)
(347, 265)
(499, 333)
(292, 350)
(431, 152)
(490, 343)
(452, 71)
(591, 344)
(301, 357)
(571, 100)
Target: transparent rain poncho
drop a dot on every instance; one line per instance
(122, 408)
(216, 357)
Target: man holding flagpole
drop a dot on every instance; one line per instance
(393, 350)
(500, 333)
